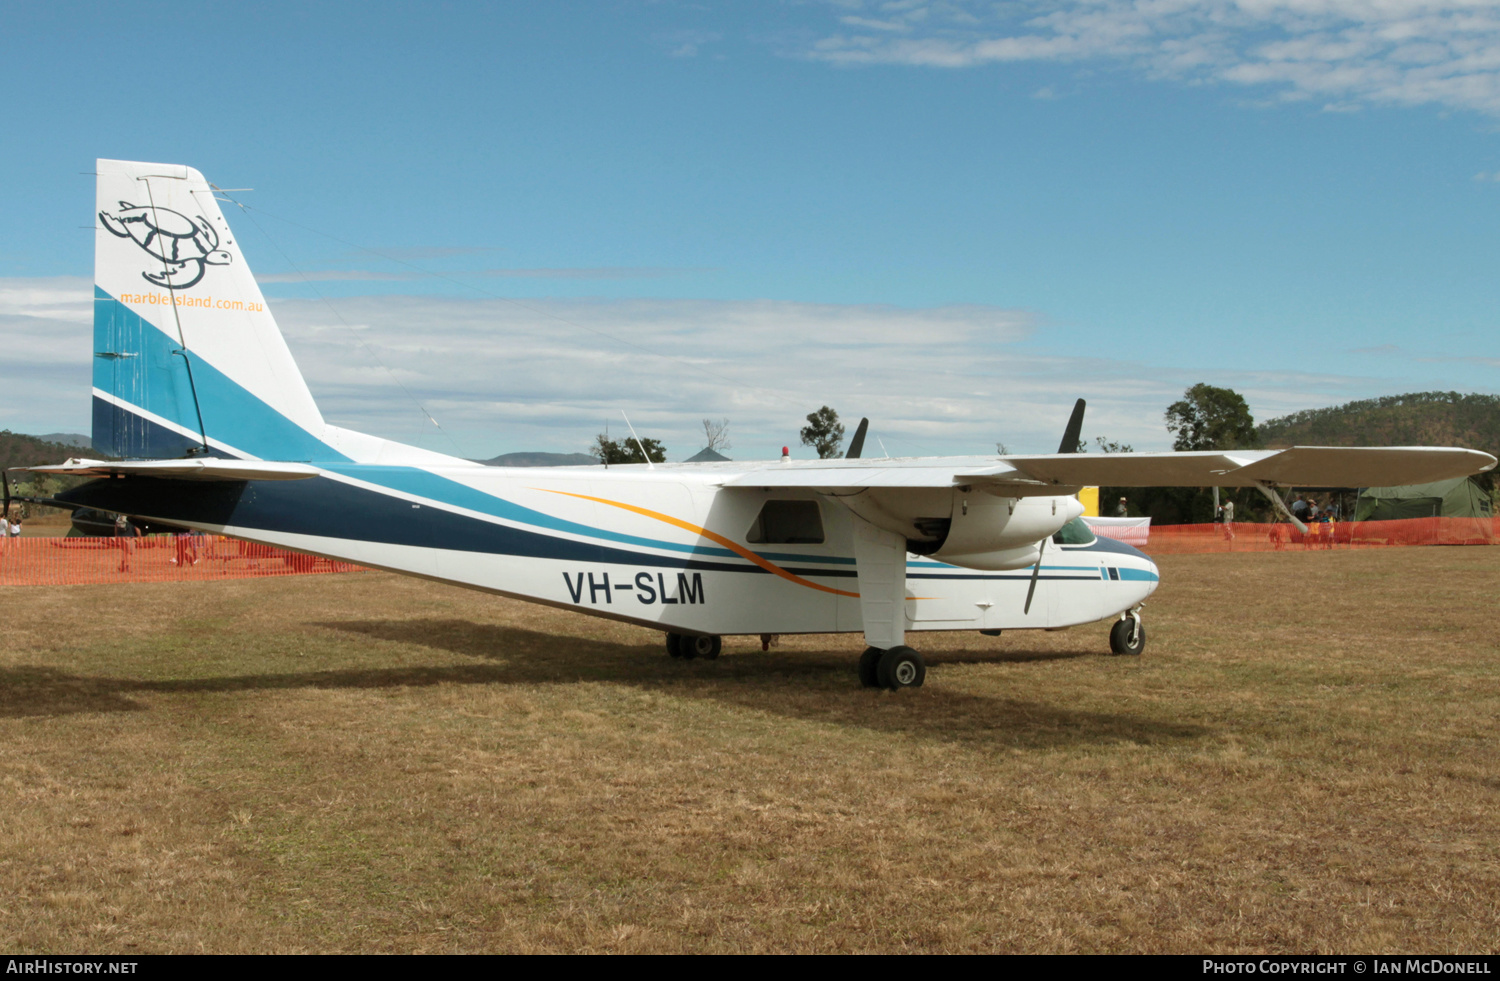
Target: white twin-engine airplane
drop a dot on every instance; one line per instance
(209, 425)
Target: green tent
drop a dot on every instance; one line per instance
(1461, 497)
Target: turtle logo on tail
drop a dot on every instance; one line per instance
(185, 246)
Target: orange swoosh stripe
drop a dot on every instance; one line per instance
(738, 549)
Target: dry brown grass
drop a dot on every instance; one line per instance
(1304, 760)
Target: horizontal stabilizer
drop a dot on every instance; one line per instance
(207, 468)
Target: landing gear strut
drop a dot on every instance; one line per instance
(687, 646)
(1128, 635)
(895, 668)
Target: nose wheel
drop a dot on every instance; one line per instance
(895, 668)
(1128, 635)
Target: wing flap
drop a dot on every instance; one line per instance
(847, 479)
(1302, 466)
(1361, 466)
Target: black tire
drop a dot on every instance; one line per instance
(901, 667)
(674, 646)
(867, 665)
(1120, 640)
(697, 646)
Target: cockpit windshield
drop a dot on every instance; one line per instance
(1075, 532)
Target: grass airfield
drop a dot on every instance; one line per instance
(1305, 759)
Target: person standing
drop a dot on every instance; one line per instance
(1299, 508)
(1122, 510)
(180, 542)
(124, 540)
(1228, 521)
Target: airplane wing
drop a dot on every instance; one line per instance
(202, 468)
(1041, 475)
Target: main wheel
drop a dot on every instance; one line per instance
(674, 645)
(867, 665)
(901, 667)
(704, 647)
(1128, 636)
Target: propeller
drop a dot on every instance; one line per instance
(1069, 442)
(857, 444)
(5, 485)
(1035, 571)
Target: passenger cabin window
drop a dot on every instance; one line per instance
(787, 523)
(1075, 532)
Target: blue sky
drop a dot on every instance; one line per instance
(954, 217)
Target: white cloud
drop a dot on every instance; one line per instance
(549, 374)
(368, 275)
(688, 43)
(1346, 52)
(45, 335)
(63, 298)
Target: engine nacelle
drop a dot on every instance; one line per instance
(1001, 560)
(966, 527)
(995, 533)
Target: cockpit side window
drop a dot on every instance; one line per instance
(1075, 532)
(787, 523)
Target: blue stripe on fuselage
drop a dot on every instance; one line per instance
(445, 490)
(333, 509)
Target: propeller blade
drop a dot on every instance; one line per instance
(1075, 427)
(1035, 571)
(857, 444)
(5, 484)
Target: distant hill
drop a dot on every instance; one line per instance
(540, 460)
(18, 450)
(69, 439)
(1416, 419)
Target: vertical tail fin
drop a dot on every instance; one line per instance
(187, 359)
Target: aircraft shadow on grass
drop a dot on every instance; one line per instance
(509, 656)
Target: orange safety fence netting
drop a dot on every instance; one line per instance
(200, 558)
(186, 558)
(1247, 537)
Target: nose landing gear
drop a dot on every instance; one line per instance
(1128, 635)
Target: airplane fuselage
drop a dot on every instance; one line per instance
(669, 547)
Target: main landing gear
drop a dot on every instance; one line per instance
(894, 668)
(687, 647)
(1128, 635)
